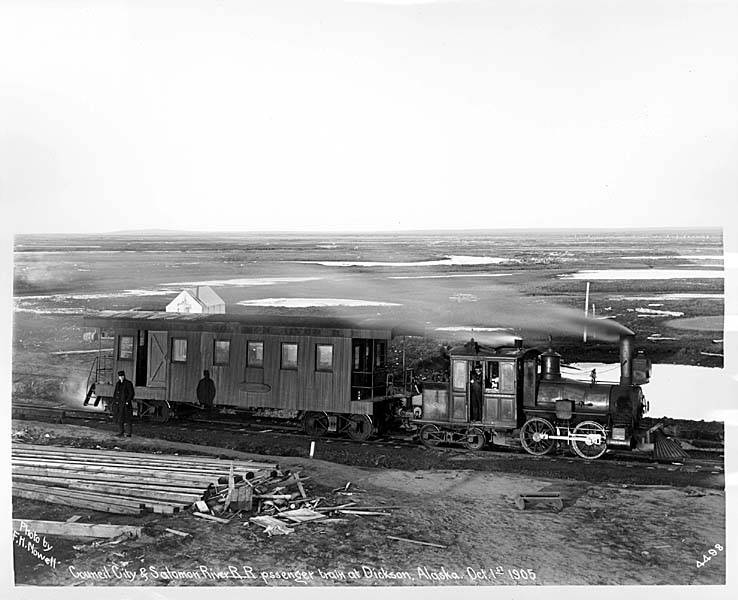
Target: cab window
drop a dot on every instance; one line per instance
(460, 375)
(492, 381)
(507, 378)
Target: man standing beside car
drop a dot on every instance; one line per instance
(206, 391)
(123, 405)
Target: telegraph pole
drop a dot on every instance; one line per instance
(586, 313)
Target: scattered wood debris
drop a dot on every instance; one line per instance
(177, 532)
(210, 517)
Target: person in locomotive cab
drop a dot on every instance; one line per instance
(206, 391)
(123, 405)
(493, 376)
(475, 394)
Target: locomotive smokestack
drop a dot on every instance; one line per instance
(626, 359)
(550, 365)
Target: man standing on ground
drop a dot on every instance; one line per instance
(206, 391)
(123, 404)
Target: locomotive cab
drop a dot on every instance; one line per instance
(482, 399)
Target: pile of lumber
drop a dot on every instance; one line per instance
(121, 482)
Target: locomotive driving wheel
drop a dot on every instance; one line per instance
(534, 436)
(596, 443)
(315, 424)
(475, 439)
(430, 435)
(360, 428)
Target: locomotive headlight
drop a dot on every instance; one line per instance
(618, 433)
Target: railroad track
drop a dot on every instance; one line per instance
(701, 460)
(57, 413)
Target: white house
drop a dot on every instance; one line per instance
(200, 299)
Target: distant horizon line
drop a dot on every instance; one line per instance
(261, 232)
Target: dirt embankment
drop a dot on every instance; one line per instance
(607, 533)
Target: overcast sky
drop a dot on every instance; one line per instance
(228, 115)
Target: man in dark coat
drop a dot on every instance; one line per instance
(475, 394)
(123, 404)
(206, 391)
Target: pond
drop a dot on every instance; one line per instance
(648, 274)
(678, 391)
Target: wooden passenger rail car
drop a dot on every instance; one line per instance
(330, 371)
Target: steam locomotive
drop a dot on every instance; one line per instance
(498, 394)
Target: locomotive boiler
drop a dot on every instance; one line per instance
(503, 394)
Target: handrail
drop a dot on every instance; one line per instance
(93, 367)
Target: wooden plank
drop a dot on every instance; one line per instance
(112, 488)
(107, 477)
(216, 473)
(187, 458)
(144, 485)
(111, 465)
(276, 496)
(191, 458)
(113, 475)
(118, 500)
(359, 507)
(76, 502)
(243, 498)
(231, 489)
(76, 530)
(366, 513)
(554, 500)
(210, 517)
(299, 485)
(177, 532)
(126, 500)
(162, 460)
(301, 515)
(541, 495)
(332, 508)
(74, 518)
(399, 539)
(175, 485)
(154, 495)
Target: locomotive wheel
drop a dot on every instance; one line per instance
(530, 436)
(360, 428)
(475, 439)
(430, 435)
(315, 424)
(591, 450)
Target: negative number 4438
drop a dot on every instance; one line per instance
(707, 557)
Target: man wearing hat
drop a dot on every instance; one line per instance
(123, 404)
